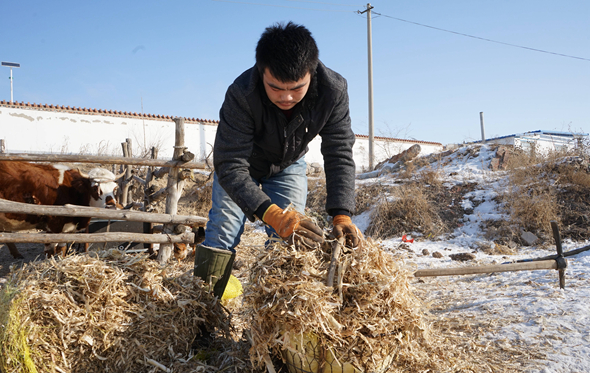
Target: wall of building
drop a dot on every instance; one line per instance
(31, 128)
(89, 131)
(542, 142)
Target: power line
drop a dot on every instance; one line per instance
(282, 6)
(401, 20)
(323, 3)
(484, 39)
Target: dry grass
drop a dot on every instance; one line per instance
(366, 196)
(532, 208)
(104, 313)
(429, 177)
(407, 171)
(316, 201)
(196, 200)
(371, 319)
(546, 187)
(316, 195)
(407, 210)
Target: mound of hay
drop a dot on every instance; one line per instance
(104, 312)
(369, 322)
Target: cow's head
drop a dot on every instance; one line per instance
(103, 188)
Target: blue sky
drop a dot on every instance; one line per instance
(178, 58)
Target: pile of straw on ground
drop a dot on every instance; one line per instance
(110, 312)
(371, 320)
(104, 312)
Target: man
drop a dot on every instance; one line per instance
(270, 114)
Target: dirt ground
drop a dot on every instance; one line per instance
(30, 251)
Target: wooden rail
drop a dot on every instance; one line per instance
(188, 237)
(95, 212)
(99, 159)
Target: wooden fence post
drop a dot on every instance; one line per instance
(126, 187)
(174, 188)
(128, 172)
(147, 188)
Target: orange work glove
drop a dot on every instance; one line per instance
(285, 223)
(343, 226)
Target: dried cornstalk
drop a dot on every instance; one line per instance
(378, 317)
(104, 312)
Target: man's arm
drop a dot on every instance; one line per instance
(337, 142)
(233, 147)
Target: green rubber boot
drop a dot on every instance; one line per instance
(214, 267)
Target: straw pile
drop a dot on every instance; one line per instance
(109, 312)
(370, 322)
(104, 312)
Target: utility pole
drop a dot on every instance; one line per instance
(370, 55)
(483, 130)
(11, 65)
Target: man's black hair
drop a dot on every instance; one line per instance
(288, 51)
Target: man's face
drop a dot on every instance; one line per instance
(285, 95)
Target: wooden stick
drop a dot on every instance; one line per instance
(99, 159)
(174, 188)
(341, 269)
(530, 266)
(268, 362)
(336, 248)
(96, 237)
(95, 212)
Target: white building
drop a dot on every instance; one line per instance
(542, 141)
(34, 128)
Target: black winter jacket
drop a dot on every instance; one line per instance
(254, 139)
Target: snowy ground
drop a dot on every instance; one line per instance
(527, 307)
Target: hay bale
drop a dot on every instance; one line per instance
(371, 323)
(105, 312)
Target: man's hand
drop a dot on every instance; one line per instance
(343, 227)
(286, 223)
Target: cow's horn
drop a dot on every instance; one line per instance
(118, 176)
(82, 173)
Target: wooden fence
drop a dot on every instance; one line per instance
(95, 212)
(176, 178)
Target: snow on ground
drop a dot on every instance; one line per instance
(527, 307)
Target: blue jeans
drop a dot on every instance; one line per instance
(226, 219)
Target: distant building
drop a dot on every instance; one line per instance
(36, 128)
(542, 141)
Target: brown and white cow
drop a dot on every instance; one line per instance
(44, 184)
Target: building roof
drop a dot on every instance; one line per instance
(117, 113)
(557, 133)
(392, 139)
(536, 132)
(78, 110)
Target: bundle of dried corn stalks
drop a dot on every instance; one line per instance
(370, 321)
(103, 312)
